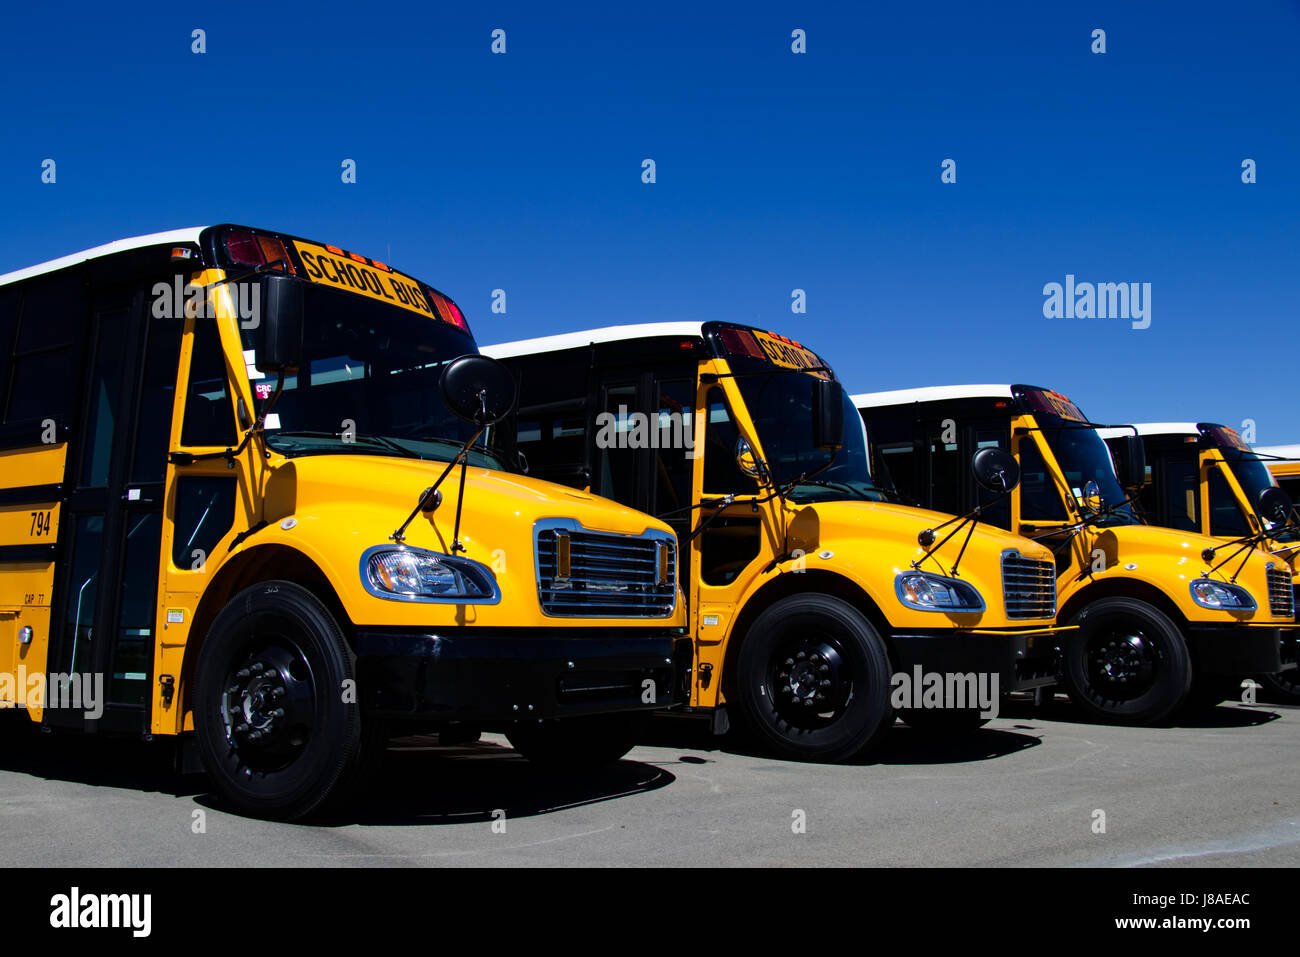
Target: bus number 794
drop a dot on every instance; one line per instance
(40, 524)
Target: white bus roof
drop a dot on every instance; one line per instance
(1281, 451)
(189, 235)
(1153, 428)
(572, 340)
(937, 393)
(1189, 428)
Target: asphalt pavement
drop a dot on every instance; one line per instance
(1036, 787)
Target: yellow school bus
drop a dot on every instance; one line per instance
(817, 608)
(1284, 463)
(1163, 619)
(1204, 477)
(253, 498)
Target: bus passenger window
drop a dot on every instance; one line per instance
(47, 349)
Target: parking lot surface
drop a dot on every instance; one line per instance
(1035, 787)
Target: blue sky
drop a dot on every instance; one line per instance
(775, 171)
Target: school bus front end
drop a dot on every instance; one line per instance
(1163, 621)
(302, 534)
(1204, 477)
(819, 610)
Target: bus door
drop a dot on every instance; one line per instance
(105, 608)
(729, 544)
(1039, 509)
(621, 437)
(947, 445)
(42, 328)
(1172, 498)
(650, 466)
(941, 478)
(673, 410)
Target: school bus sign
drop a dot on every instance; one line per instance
(340, 271)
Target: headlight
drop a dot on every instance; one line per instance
(1221, 596)
(927, 592)
(400, 573)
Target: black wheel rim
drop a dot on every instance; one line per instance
(1122, 661)
(810, 681)
(268, 706)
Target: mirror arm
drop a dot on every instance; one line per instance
(1250, 551)
(721, 504)
(429, 493)
(1246, 545)
(461, 457)
(973, 517)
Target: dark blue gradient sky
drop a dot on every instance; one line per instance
(775, 171)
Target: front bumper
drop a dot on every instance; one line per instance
(1239, 650)
(1021, 659)
(500, 675)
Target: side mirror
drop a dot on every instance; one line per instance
(995, 469)
(1274, 505)
(478, 389)
(747, 460)
(828, 414)
(1091, 501)
(1130, 461)
(278, 314)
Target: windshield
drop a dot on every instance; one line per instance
(1083, 456)
(780, 404)
(369, 384)
(1253, 476)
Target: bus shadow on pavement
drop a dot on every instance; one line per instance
(418, 782)
(902, 746)
(95, 761)
(421, 783)
(1226, 715)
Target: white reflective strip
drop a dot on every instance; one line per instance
(250, 362)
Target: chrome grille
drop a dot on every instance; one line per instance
(1281, 596)
(1028, 586)
(586, 574)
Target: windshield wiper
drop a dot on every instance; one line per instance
(381, 440)
(837, 486)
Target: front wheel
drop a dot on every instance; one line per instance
(278, 727)
(576, 743)
(1126, 663)
(812, 680)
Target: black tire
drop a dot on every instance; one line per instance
(274, 732)
(943, 722)
(818, 649)
(1127, 663)
(1281, 688)
(578, 743)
